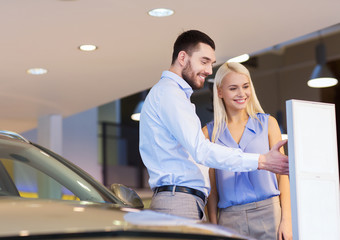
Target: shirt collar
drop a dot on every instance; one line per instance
(180, 81)
(249, 133)
(247, 136)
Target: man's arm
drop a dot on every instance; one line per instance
(179, 116)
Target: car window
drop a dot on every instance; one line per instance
(32, 183)
(27, 171)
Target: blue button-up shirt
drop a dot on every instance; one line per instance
(172, 144)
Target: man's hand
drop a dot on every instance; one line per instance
(274, 161)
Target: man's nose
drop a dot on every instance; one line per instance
(208, 70)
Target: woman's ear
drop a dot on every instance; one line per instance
(219, 92)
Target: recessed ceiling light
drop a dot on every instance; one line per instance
(36, 71)
(87, 47)
(161, 12)
(240, 59)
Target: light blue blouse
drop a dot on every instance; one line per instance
(236, 188)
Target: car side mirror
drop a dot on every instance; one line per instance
(127, 195)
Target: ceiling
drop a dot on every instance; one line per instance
(133, 48)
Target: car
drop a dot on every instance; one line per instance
(44, 196)
(31, 171)
(25, 218)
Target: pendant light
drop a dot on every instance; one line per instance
(136, 112)
(321, 76)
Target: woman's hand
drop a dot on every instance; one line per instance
(285, 230)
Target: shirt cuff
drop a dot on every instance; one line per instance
(251, 161)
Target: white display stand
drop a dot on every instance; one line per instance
(313, 167)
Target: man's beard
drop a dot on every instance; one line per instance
(190, 77)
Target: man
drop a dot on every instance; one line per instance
(172, 145)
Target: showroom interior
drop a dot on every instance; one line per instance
(93, 94)
(279, 73)
(75, 74)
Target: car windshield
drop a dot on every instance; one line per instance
(30, 172)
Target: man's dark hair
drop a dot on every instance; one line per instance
(188, 42)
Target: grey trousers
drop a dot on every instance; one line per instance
(259, 220)
(179, 204)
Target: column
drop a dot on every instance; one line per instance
(50, 136)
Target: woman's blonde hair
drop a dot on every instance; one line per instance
(220, 114)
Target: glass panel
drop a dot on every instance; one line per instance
(30, 172)
(32, 183)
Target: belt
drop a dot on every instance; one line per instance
(170, 188)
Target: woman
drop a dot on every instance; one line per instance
(255, 203)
